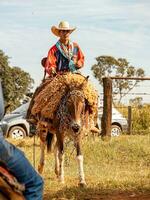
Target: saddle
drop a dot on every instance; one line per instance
(9, 185)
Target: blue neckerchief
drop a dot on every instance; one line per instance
(72, 66)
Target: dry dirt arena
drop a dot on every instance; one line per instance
(93, 195)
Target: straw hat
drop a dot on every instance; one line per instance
(63, 25)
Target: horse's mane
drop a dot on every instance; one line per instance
(51, 92)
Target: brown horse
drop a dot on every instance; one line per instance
(70, 120)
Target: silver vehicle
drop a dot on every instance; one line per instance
(14, 125)
(119, 123)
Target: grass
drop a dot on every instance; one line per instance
(120, 167)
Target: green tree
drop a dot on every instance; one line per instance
(107, 66)
(137, 102)
(15, 82)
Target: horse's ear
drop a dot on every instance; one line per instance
(84, 82)
(87, 78)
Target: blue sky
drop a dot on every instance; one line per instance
(104, 27)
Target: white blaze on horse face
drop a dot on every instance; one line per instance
(78, 111)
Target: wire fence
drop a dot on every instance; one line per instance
(134, 107)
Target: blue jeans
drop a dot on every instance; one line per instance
(22, 169)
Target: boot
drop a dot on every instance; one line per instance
(93, 127)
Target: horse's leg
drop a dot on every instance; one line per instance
(59, 159)
(80, 165)
(61, 167)
(56, 162)
(42, 157)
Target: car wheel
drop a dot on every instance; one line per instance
(115, 130)
(17, 132)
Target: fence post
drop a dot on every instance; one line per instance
(129, 120)
(107, 109)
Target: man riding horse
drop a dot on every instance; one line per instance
(65, 104)
(65, 56)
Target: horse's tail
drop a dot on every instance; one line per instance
(51, 141)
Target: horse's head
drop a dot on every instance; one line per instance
(76, 108)
(71, 111)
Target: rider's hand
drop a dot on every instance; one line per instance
(53, 71)
(74, 58)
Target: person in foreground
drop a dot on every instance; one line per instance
(17, 163)
(65, 55)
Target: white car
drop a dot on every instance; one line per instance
(119, 123)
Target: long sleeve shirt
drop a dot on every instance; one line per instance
(56, 61)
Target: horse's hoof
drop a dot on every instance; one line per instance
(82, 185)
(61, 181)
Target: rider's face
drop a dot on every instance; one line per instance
(64, 34)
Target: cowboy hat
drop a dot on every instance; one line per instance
(63, 25)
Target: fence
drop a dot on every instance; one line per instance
(136, 115)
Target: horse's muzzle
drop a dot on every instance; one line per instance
(75, 127)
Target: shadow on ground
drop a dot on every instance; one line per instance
(96, 194)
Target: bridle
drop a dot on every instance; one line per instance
(62, 113)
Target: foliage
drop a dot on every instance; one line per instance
(137, 101)
(15, 82)
(107, 66)
(139, 115)
(141, 119)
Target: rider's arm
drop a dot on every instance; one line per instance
(1, 102)
(78, 56)
(50, 65)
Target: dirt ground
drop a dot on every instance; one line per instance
(121, 196)
(61, 195)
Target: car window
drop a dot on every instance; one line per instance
(21, 109)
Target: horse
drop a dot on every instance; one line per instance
(71, 120)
